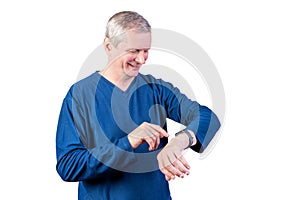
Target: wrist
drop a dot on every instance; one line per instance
(181, 141)
(186, 137)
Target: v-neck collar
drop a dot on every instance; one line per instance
(128, 91)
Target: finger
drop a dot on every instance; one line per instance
(184, 162)
(157, 141)
(150, 139)
(179, 166)
(167, 174)
(150, 142)
(167, 178)
(174, 171)
(160, 130)
(154, 136)
(153, 140)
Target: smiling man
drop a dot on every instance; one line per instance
(112, 132)
(126, 57)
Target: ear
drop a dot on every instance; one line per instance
(107, 45)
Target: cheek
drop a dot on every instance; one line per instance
(130, 58)
(146, 56)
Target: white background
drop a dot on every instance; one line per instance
(254, 45)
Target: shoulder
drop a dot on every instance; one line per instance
(159, 86)
(87, 82)
(84, 87)
(150, 79)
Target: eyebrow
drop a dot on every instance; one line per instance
(145, 49)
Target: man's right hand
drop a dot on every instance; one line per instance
(147, 132)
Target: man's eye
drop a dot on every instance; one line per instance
(133, 51)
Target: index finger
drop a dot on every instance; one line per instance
(162, 132)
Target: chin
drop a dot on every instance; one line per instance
(131, 69)
(133, 73)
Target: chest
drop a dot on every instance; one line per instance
(119, 113)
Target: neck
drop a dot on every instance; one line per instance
(119, 79)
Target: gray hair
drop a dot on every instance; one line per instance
(123, 21)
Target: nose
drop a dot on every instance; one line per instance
(140, 57)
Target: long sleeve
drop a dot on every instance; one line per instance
(198, 118)
(76, 159)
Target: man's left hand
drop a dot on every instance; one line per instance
(171, 161)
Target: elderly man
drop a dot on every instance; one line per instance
(112, 132)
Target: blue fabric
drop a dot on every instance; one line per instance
(92, 145)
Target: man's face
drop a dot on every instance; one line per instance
(132, 53)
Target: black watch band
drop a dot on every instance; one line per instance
(191, 139)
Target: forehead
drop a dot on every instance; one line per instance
(138, 40)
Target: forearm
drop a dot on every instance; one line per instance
(80, 164)
(205, 127)
(203, 122)
(83, 152)
(77, 165)
(199, 119)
